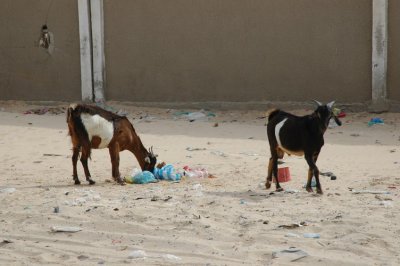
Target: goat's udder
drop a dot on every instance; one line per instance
(297, 153)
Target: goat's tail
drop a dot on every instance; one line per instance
(272, 113)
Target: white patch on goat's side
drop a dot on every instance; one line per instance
(98, 126)
(278, 129)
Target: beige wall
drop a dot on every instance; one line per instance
(27, 72)
(393, 82)
(235, 50)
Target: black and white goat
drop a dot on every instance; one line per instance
(299, 136)
(92, 127)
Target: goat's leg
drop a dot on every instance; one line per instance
(114, 154)
(316, 174)
(84, 161)
(269, 177)
(75, 156)
(313, 170)
(309, 178)
(275, 171)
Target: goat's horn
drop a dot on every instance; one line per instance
(317, 102)
(330, 105)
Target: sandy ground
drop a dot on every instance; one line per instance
(228, 220)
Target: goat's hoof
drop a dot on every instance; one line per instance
(319, 191)
(268, 185)
(77, 182)
(91, 182)
(279, 189)
(309, 189)
(120, 181)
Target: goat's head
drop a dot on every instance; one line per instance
(150, 160)
(325, 113)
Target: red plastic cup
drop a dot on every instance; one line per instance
(283, 174)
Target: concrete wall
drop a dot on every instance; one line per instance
(28, 72)
(235, 50)
(393, 82)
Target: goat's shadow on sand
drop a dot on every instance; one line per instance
(250, 196)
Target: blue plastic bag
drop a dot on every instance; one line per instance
(375, 121)
(167, 172)
(142, 178)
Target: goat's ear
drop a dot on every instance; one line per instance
(330, 105)
(317, 102)
(147, 159)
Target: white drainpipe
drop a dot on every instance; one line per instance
(91, 32)
(379, 55)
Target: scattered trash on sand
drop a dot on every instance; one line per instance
(328, 174)
(375, 121)
(67, 229)
(250, 153)
(137, 254)
(171, 257)
(139, 177)
(156, 198)
(196, 116)
(338, 113)
(196, 172)
(332, 124)
(313, 183)
(385, 203)
(292, 253)
(5, 242)
(51, 154)
(291, 191)
(56, 209)
(201, 115)
(219, 153)
(45, 110)
(141, 254)
(167, 172)
(161, 172)
(311, 235)
(195, 149)
(291, 226)
(85, 197)
(292, 235)
(369, 191)
(146, 118)
(7, 190)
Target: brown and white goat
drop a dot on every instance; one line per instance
(299, 136)
(92, 127)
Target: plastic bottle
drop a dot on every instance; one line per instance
(195, 173)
